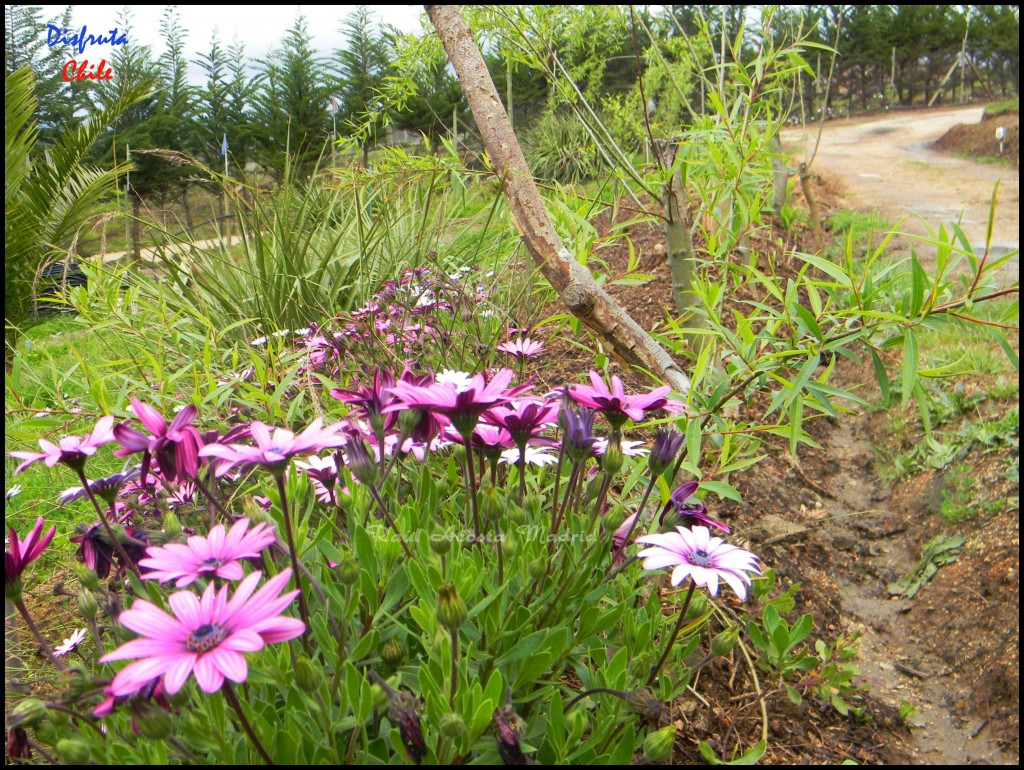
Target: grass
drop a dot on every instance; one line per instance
(995, 109)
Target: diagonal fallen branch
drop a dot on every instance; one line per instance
(621, 335)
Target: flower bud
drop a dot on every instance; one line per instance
(87, 578)
(576, 721)
(724, 641)
(507, 727)
(409, 420)
(72, 751)
(698, 606)
(532, 505)
(152, 721)
(666, 446)
(659, 743)
(17, 744)
(360, 462)
(403, 710)
(452, 726)
(348, 571)
(451, 612)
(255, 513)
(538, 568)
(518, 515)
(28, 713)
(172, 525)
(492, 503)
(307, 677)
(645, 704)
(87, 604)
(440, 543)
(393, 652)
(611, 460)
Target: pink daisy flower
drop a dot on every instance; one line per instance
(695, 554)
(21, 553)
(274, 450)
(616, 405)
(522, 348)
(219, 554)
(175, 447)
(461, 403)
(72, 450)
(204, 636)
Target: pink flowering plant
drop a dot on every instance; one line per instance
(373, 563)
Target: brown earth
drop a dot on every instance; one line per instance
(827, 520)
(978, 139)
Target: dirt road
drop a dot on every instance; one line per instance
(885, 165)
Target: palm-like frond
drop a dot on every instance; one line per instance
(47, 198)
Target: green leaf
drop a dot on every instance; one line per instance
(750, 757)
(910, 361)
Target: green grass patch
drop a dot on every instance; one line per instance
(995, 109)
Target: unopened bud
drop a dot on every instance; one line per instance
(724, 641)
(452, 726)
(87, 578)
(698, 606)
(440, 543)
(409, 420)
(28, 713)
(72, 751)
(492, 503)
(87, 604)
(348, 571)
(611, 460)
(361, 462)
(507, 728)
(451, 612)
(645, 704)
(538, 568)
(254, 512)
(152, 721)
(518, 515)
(659, 743)
(393, 652)
(307, 677)
(172, 525)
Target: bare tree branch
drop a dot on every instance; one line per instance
(621, 335)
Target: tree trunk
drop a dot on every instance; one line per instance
(780, 179)
(812, 204)
(678, 241)
(621, 335)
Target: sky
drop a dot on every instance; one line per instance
(260, 28)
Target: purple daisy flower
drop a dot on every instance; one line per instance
(21, 553)
(175, 447)
(461, 403)
(522, 348)
(218, 554)
(274, 450)
(696, 555)
(72, 450)
(689, 510)
(616, 405)
(205, 636)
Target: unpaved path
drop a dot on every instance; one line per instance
(885, 165)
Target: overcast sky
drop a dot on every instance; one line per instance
(259, 27)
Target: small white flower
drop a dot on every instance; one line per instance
(534, 456)
(15, 490)
(70, 643)
(258, 342)
(461, 380)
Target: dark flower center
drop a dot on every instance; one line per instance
(212, 564)
(700, 558)
(205, 638)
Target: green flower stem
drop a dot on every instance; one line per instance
(128, 563)
(455, 666)
(675, 633)
(639, 512)
(391, 523)
(229, 695)
(293, 552)
(20, 604)
(467, 442)
(521, 466)
(215, 506)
